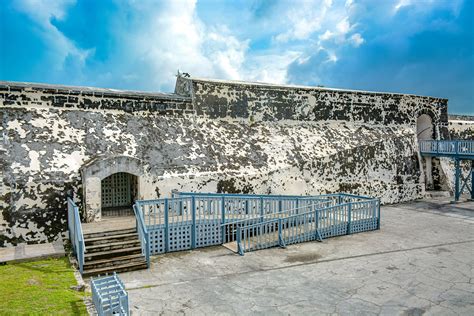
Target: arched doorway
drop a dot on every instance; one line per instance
(110, 186)
(118, 192)
(424, 127)
(424, 131)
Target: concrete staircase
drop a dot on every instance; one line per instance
(116, 250)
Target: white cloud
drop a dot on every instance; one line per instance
(157, 39)
(226, 52)
(42, 12)
(331, 57)
(172, 37)
(344, 26)
(327, 35)
(357, 39)
(186, 43)
(304, 19)
(400, 4)
(271, 66)
(166, 38)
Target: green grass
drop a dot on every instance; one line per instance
(39, 288)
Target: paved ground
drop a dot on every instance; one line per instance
(24, 252)
(420, 262)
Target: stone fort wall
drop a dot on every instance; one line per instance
(257, 101)
(209, 136)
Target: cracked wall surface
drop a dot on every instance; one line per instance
(196, 141)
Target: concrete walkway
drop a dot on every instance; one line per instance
(420, 262)
(24, 252)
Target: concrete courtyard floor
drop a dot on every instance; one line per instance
(420, 262)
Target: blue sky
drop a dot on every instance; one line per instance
(423, 47)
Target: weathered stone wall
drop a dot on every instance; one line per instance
(461, 127)
(174, 144)
(85, 98)
(256, 102)
(48, 133)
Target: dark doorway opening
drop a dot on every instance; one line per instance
(119, 192)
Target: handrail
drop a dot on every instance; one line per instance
(195, 220)
(296, 215)
(267, 196)
(276, 213)
(142, 232)
(447, 147)
(244, 243)
(75, 233)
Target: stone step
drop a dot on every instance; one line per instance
(112, 253)
(113, 246)
(110, 233)
(110, 239)
(116, 268)
(114, 261)
(437, 194)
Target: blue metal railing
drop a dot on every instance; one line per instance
(191, 220)
(109, 296)
(448, 148)
(142, 233)
(75, 232)
(330, 221)
(304, 205)
(457, 150)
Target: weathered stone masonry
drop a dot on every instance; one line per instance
(257, 101)
(208, 136)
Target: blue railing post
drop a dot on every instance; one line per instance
(349, 215)
(457, 175)
(378, 217)
(80, 258)
(167, 226)
(472, 179)
(317, 233)
(240, 248)
(193, 229)
(261, 209)
(147, 249)
(281, 242)
(224, 228)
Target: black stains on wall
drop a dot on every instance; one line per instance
(217, 99)
(231, 186)
(20, 94)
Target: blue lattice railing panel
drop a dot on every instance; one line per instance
(109, 296)
(192, 220)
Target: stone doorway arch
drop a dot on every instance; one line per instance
(102, 168)
(424, 127)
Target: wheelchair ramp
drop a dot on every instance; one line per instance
(343, 219)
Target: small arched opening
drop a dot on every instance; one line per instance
(424, 127)
(425, 131)
(110, 186)
(118, 193)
